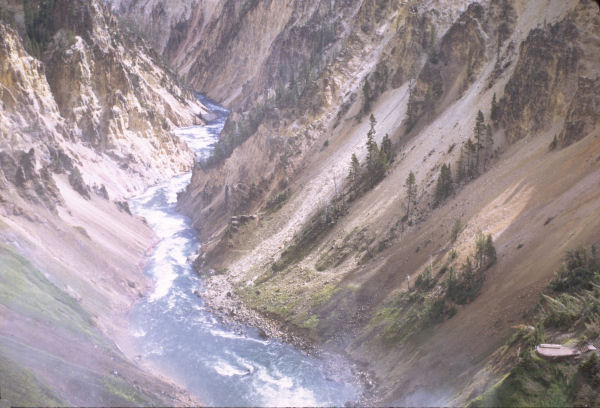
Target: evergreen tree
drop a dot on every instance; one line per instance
(479, 133)
(411, 109)
(386, 147)
(488, 145)
(366, 95)
(494, 110)
(467, 271)
(354, 171)
(471, 151)
(411, 191)
(480, 250)
(372, 151)
(371, 144)
(490, 250)
(485, 253)
(381, 166)
(444, 185)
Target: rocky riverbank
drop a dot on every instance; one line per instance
(220, 297)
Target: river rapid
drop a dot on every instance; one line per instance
(178, 334)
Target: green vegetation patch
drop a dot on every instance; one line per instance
(118, 392)
(571, 305)
(26, 291)
(322, 296)
(20, 387)
(271, 301)
(336, 253)
(534, 382)
(311, 322)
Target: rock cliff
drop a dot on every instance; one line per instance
(86, 111)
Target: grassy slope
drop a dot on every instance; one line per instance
(32, 307)
(568, 314)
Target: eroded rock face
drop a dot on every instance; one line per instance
(393, 38)
(453, 64)
(77, 89)
(542, 81)
(554, 78)
(584, 111)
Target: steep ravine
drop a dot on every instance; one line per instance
(221, 364)
(270, 212)
(397, 183)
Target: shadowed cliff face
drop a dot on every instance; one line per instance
(554, 79)
(241, 52)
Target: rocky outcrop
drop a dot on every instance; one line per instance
(554, 79)
(453, 62)
(543, 79)
(317, 42)
(584, 111)
(89, 91)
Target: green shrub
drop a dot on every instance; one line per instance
(456, 229)
(425, 280)
(579, 270)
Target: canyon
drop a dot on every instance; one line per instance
(323, 215)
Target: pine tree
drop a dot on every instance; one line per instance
(471, 150)
(444, 185)
(490, 251)
(371, 144)
(411, 191)
(485, 253)
(411, 110)
(372, 151)
(354, 171)
(494, 110)
(480, 250)
(386, 147)
(467, 270)
(381, 166)
(366, 96)
(479, 133)
(488, 145)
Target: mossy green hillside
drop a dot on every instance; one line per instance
(29, 373)
(26, 291)
(19, 386)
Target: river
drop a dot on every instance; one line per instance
(173, 329)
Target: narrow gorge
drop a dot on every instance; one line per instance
(376, 202)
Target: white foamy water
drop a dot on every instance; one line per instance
(174, 330)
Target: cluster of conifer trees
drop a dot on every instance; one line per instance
(378, 160)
